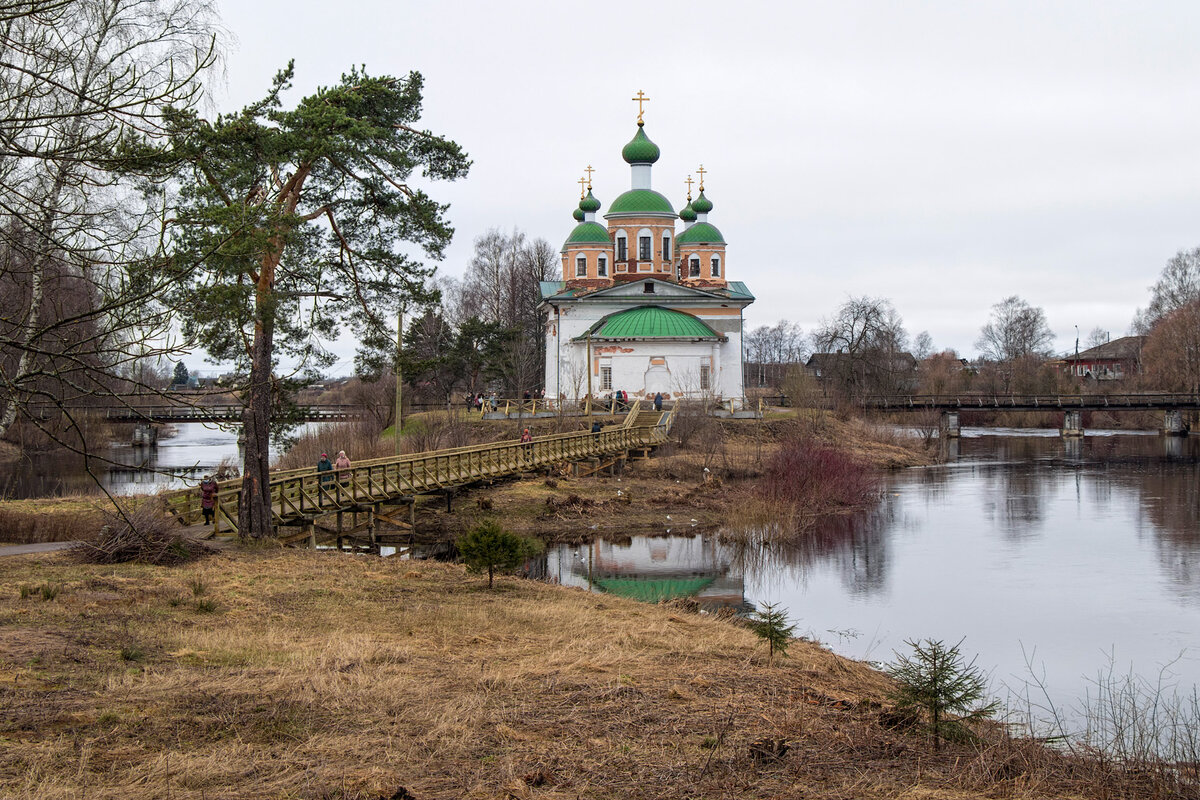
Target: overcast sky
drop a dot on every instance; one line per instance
(943, 155)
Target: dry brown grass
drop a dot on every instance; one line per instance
(28, 523)
(323, 675)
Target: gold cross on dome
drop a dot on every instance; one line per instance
(702, 170)
(582, 192)
(689, 182)
(589, 172)
(641, 98)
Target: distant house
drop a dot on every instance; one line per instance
(764, 374)
(1111, 361)
(870, 372)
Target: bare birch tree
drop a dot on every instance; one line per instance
(79, 82)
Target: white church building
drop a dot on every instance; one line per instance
(643, 307)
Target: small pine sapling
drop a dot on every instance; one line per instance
(489, 547)
(771, 624)
(938, 680)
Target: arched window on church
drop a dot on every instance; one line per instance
(694, 267)
(666, 247)
(581, 267)
(602, 266)
(622, 246)
(645, 249)
(716, 266)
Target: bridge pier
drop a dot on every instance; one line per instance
(948, 427)
(145, 434)
(1174, 423)
(1072, 423)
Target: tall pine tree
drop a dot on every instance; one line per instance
(293, 223)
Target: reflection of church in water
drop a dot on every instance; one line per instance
(652, 569)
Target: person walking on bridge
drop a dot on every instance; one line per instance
(658, 401)
(323, 466)
(208, 498)
(343, 467)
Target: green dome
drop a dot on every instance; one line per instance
(577, 214)
(589, 233)
(641, 201)
(640, 149)
(687, 214)
(701, 232)
(702, 205)
(589, 203)
(652, 322)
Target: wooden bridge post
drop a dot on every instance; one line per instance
(312, 534)
(412, 525)
(339, 531)
(371, 528)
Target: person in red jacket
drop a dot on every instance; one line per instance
(208, 498)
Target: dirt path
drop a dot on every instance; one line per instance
(40, 547)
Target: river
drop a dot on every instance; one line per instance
(178, 460)
(1055, 558)
(1060, 558)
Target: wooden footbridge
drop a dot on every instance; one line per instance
(375, 491)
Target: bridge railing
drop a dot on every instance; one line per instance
(1050, 402)
(305, 493)
(222, 412)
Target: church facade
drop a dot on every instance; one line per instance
(643, 306)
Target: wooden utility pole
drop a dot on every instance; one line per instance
(399, 377)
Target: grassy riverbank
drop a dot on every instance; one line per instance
(670, 484)
(273, 674)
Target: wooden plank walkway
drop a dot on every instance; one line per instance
(298, 497)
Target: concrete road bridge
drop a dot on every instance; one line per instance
(1173, 406)
(374, 502)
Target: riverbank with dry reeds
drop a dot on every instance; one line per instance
(710, 472)
(266, 673)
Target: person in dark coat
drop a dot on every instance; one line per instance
(208, 498)
(323, 466)
(658, 401)
(596, 428)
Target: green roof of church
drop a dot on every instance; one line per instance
(652, 322)
(702, 205)
(641, 201)
(577, 214)
(687, 214)
(589, 233)
(589, 203)
(700, 232)
(640, 149)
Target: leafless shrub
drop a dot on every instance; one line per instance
(359, 439)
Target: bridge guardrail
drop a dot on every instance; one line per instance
(304, 493)
(1049, 402)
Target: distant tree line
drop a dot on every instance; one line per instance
(863, 348)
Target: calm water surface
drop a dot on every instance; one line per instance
(1060, 555)
(175, 462)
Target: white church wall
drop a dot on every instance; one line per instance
(566, 359)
